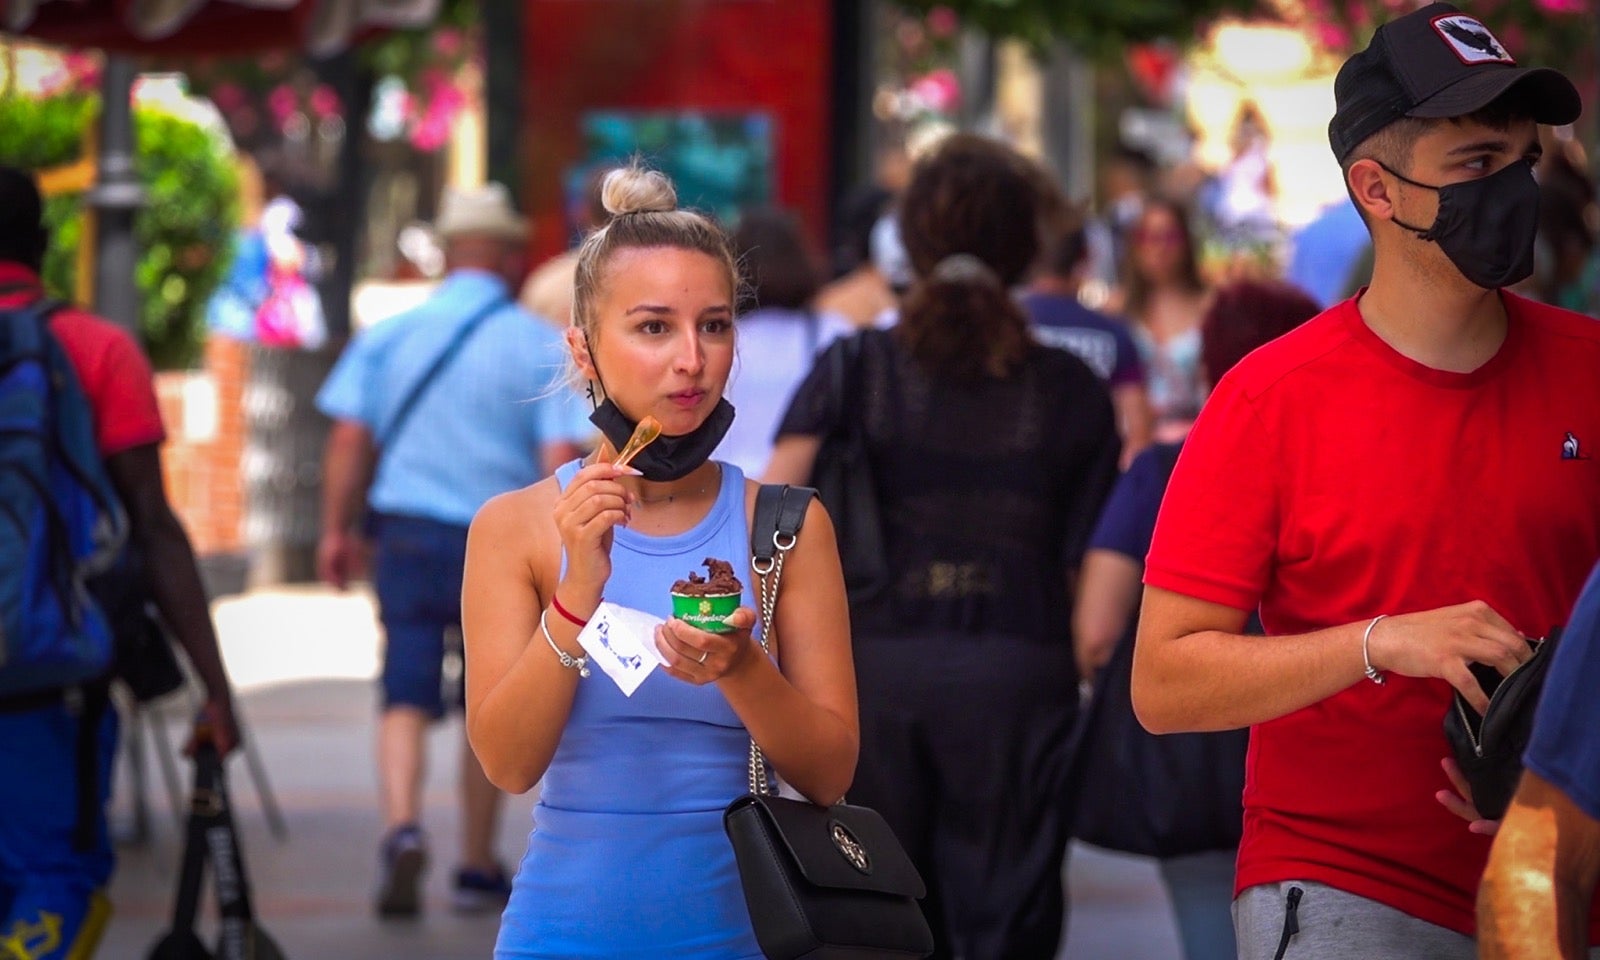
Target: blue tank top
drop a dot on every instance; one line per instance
(628, 858)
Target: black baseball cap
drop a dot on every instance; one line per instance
(1437, 62)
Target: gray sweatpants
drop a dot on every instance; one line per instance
(1335, 925)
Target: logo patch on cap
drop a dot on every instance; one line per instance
(1471, 40)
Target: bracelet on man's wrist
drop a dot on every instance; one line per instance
(1373, 673)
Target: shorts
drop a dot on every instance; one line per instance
(52, 901)
(416, 572)
(1335, 925)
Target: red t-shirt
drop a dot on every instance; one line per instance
(1330, 479)
(110, 365)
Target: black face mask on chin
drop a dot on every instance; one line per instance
(1486, 226)
(667, 458)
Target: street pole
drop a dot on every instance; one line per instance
(116, 196)
(1069, 121)
(503, 78)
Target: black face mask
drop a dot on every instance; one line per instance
(667, 458)
(1486, 226)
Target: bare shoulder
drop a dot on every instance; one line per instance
(517, 511)
(521, 524)
(819, 525)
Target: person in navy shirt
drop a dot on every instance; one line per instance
(1242, 317)
(1538, 889)
(1060, 320)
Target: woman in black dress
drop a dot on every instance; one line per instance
(990, 456)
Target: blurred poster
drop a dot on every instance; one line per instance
(720, 162)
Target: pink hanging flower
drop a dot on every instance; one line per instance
(1332, 36)
(325, 102)
(448, 43)
(283, 102)
(83, 70)
(228, 96)
(1562, 7)
(431, 133)
(939, 90)
(433, 79)
(910, 36)
(943, 23)
(448, 99)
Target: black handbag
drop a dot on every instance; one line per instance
(843, 478)
(1489, 746)
(821, 883)
(1156, 796)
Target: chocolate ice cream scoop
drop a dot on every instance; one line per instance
(722, 581)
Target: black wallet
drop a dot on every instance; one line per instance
(1489, 746)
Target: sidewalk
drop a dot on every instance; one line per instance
(302, 660)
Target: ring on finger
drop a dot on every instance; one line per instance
(704, 654)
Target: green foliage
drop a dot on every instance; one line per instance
(184, 230)
(36, 134)
(1558, 33)
(409, 54)
(1100, 27)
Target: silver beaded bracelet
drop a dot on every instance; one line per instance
(580, 664)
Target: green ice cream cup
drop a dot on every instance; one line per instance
(705, 613)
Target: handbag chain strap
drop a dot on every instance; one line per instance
(767, 586)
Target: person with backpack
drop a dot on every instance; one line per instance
(80, 465)
(435, 411)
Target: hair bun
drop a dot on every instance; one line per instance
(637, 190)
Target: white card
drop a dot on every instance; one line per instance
(622, 642)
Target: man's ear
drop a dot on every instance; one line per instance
(579, 346)
(1370, 191)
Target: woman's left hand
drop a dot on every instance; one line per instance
(700, 657)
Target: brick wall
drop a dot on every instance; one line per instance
(204, 415)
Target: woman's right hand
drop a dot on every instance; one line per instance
(586, 515)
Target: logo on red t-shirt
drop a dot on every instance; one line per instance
(1570, 449)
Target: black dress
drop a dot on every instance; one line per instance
(968, 689)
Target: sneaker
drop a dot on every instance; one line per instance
(480, 891)
(402, 859)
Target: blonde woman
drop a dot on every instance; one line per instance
(628, 857)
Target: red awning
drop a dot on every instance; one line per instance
(215, 27)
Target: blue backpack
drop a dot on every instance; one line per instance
(60, 520)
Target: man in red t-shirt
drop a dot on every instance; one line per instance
(1403, 486)
(52, 903)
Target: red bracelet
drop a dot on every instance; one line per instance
(555, 604)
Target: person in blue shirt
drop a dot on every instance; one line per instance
(436, 411)
(1538, 890)
(1327, 252)
(1060, 320)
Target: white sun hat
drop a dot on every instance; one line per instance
(485, 211)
